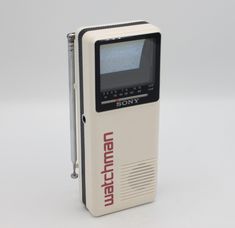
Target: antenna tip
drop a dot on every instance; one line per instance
(74, 175)
(71, 36)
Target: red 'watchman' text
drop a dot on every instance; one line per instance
(108, 174)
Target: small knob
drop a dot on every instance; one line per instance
(74, 175)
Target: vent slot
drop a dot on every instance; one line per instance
(137, 179)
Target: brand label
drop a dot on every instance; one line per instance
(127, 102)
(108, 174)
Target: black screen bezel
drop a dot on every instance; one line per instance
(153, 95)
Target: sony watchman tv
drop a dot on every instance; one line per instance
(114, 73)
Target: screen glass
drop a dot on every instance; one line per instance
(127, 63)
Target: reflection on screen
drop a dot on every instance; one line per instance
(121, 56)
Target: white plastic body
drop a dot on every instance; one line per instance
(135, 135)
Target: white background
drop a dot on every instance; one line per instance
(197, 127)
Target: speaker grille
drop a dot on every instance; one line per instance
(137, 179)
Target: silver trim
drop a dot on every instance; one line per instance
(72, 102)
(124, 98)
